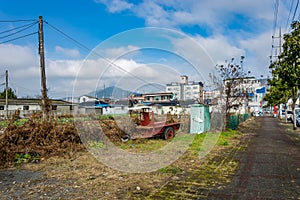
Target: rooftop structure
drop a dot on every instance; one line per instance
(185, 89)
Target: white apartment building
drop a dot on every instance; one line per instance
(185, 89)
(255, 90)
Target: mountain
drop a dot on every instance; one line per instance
(111, 92)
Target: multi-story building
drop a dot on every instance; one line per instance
(186, 90)
(248, 92)
(211, 97)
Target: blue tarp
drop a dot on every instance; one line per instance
(261, 90)
(251, 94)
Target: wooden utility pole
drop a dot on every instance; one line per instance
(6, 94)
(45, 102)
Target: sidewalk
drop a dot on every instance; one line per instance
(269, 168)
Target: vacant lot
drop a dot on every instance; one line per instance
(64, 169)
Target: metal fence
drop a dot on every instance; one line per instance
(235, 120)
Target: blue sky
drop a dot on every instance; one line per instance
(194, 33)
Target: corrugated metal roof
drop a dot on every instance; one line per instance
(33, 102)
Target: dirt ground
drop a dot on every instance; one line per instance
(78, 175)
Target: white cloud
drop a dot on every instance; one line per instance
(215, 14)
(15, 56)
(235, 28)
(115, 6)
(259, 50)
(114, 53)
(219, 48)
(68, 52)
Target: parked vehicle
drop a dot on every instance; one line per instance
(257, 113)
(297, 112)
(148, 126)
(282, 114)
(298, 119)
(289, 115)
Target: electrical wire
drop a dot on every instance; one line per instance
(27, 27)
(19, 37)
(295, 10)
(67, 36)
(14, 85)
(18, 20)
(276, 6)
(15, 28)
(92, 51)
(290, 12)
(275, 16)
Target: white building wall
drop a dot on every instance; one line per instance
(115, 110)
(86, 98)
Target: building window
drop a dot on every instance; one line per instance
(54, 107)
(71, 107)
(25, 107)
(1, 107)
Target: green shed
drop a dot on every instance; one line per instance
(199, 119)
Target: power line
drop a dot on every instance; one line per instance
(15, 28)
(27, 27)
(287, 22)
(274, 23)
(67, 36)
(275, 16)
(92, 51)
(18, 20)
(15, 86)
(19, 37)
(295, 10)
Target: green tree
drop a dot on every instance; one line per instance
(278, 93)
(10, 94)
(286, 70)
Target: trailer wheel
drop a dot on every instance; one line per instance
(169, 133)
(125, 138)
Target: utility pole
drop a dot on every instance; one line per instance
(104, 91)
(276, 53)
(45, 102)
(6, 94)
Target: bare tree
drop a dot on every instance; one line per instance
(228, 82)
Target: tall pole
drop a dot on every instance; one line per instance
(104, 92)
(6, 94)
(279, 40)
(45, 105)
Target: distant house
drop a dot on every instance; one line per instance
(102, 108)
(158, 97)
(87, 98)
(31, 106)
